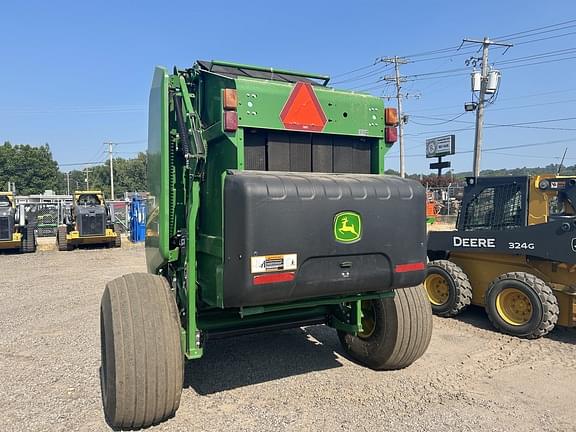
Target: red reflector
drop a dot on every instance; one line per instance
(403, 268)
(302, 110)
(230, 121)
(391, 135)
(273, 278)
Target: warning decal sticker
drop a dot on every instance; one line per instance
(272, 263)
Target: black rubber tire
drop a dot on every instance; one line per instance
(142, 368)
(545, 308)
(61, 239)
(459, 288)
(118, 239)
(29, 240)
(402, 331)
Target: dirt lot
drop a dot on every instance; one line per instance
(471, 378)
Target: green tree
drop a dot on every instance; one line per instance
(32, 169)
(129, 176)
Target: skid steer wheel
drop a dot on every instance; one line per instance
(118, 239)
(141, 374)
(29, 240)
(396, 330)
(522, 305)
(61, 238)
(448, 288)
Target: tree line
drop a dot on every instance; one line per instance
(34, 170)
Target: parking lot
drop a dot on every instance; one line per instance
(471, 378)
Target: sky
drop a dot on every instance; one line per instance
(77, 74)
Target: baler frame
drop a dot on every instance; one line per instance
(194, 153)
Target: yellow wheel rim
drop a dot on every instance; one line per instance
(368, 320)
(514, 306)
(437, 289)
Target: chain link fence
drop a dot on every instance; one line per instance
(45, 217)
(120, 214)
(46, 212)
(447, 201)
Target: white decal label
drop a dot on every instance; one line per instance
(473, 242)
(519, 245)
(272, 263)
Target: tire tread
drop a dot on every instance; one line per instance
(148, 357)
(550, 308)
(462, 285)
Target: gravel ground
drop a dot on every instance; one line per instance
(471, 378)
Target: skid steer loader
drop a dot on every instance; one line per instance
(15, 231)
(87, 222)
(513, 252)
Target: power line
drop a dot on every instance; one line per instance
(436, 72)
(378, 71)
(355, 70)
(545, 38)
(140, 141)
(439, 123)
(541, 32)
(537, 56)
(491, 149)
(524, 125)
(79, 163)
(528, 96)
(531, 156)
(532, 105)
(537, 63)
(455, 54)
(534, 29)
(432, 52)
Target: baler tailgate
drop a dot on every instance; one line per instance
(344, 233)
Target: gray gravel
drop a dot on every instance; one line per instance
(471, 378)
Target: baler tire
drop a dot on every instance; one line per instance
(142, 370)
(29, 240)
(457, 284)
(61, 239)
(544, 305)
(401, 333)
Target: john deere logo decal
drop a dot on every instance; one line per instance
(347, 227)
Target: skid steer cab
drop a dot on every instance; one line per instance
(513, 252)
(268, 210)
(87, 222)
(16, 234)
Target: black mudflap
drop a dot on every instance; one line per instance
(292, 236)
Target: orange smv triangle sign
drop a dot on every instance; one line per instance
(302, 110)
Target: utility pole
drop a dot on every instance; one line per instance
(110, 156)
(398, 80)
(68, 183)
(486, 42)
(87, 171)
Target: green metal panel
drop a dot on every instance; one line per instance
(157, 238)
(260, 104)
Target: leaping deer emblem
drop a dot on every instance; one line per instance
(344, 228)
